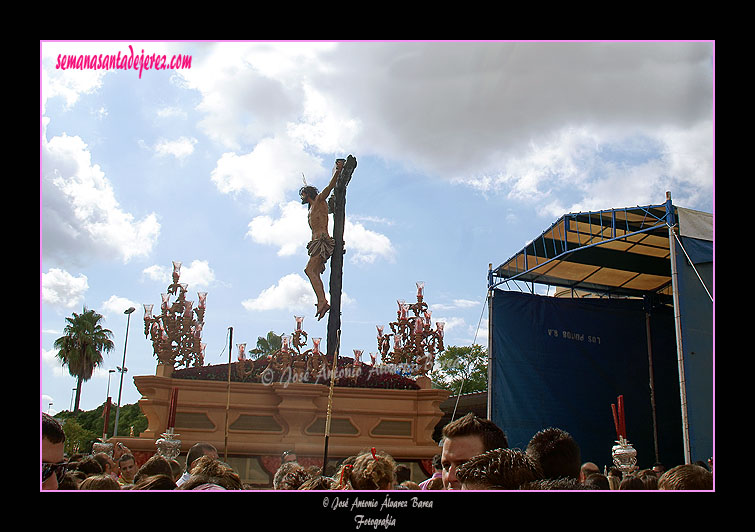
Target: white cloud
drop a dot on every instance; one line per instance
(457, 303)
(451, 323)
(50, 360)
(366, 246)
(171, 112)
(197, 275)
(291, 292)
(81, 217)
(61, 289)
(157, 273)
(323, 125)
(463, 109)
(579, 169)
(458, 332)
(479, 334)
(688, 159)
(71, 83)
(529, 119)
(179, 148)
(116, 305)
(371, 219)
(290, 234)
(251, 91)
(269, 173)
(68, 84)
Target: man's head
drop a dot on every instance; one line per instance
(465, 438)
(197, 451)
(556, 452)
(686, 477)
(288, 456)
(156, 465)
(500, 469)
(127, 464)
(108, 465)
(587, 469)
(53, 441)
(596, 481)
(89, 466)
(307, 193)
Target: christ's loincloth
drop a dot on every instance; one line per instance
(322, 245)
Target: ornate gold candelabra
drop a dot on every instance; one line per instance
(415, 342)
(290, 361)
(415, 346)
(176, 333)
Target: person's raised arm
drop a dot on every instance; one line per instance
(336, 172)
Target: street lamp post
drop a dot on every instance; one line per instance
(122, 369)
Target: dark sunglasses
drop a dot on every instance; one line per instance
(59, 469)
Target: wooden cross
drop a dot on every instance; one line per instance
(336, 261)
(336, 285)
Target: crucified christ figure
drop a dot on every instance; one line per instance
(321, 247)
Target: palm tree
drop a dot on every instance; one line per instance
(267, 345)
(82, 346)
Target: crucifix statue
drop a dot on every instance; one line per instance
(322, 246)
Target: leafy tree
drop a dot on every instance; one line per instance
(83, 428)
(267, 345)
(78, 439)
(131, 416)
(81, 348)
(462, 369)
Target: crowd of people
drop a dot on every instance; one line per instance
(475, 455)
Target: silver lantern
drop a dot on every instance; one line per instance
(624, 456)
(168, 446)
(102, 446)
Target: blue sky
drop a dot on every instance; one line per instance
(465, 150)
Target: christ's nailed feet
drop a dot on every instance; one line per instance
(322, 310)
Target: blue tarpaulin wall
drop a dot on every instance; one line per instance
(561, 362)
(696, 316)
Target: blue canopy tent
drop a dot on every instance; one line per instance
(637, 321)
